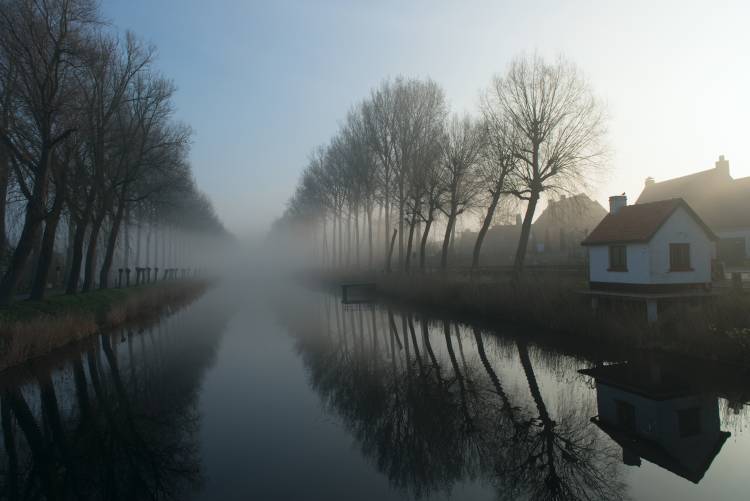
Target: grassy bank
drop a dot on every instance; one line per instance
(29, 329)
(718, 329)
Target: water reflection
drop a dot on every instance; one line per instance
(654, 412)
(432, 409)
(114, 418)
(435, 409)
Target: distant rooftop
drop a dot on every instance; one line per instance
(721, 201)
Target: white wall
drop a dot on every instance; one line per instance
(681, 228)
(649, 263)
(637, 260)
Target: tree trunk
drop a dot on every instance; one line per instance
(334, 242)
(390, 252)
(387, 214)
(356, 235)
(523, 242)
(4, 179)
(109, 253)
(447, 239)
(341, 240)
(35, 213)
(126, 240)
(369, 236)
(75, 265)
(348, 238)
(138, 243)
(410, 240)
(423, 244)
(69, 249)
(401, 223)
(46, 252)
(88, 275)
(324, 250)
(483, 230)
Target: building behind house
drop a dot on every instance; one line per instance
(720, 200)
(555, 235)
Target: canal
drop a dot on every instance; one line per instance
(286, 393)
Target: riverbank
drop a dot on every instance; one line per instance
(717, 329)
(30, 329)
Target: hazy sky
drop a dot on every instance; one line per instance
(263, 83)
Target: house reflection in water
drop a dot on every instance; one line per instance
(655, 414)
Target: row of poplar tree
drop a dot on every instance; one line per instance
(401, 161)
(88, 145)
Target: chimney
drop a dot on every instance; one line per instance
(722, 165)
(519, 221)
(616, 203)
(650, 181)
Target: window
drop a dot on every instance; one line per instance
(689, 422)
(679, 257)
(618, 258)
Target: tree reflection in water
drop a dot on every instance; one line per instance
(118, 421)
(452, 405)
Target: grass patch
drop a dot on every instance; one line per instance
(29, 329)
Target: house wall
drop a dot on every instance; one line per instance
(638, 265)
(681, 228)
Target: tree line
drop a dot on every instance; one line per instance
(401, 163)
(89, 148)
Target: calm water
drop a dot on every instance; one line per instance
(288, 394)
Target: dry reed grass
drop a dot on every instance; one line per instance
(718, 330)
(29, 330)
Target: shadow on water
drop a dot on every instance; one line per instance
(435, 405)
(114, 417)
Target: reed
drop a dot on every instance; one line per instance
(717, 329)
(29, 329)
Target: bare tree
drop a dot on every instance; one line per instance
(495, 170)
(558, 126)
(42, 39)
(420, 109)
(462, 146)
(378, 114)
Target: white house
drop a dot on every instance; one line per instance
(660, 246)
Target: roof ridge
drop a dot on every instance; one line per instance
(685, 176)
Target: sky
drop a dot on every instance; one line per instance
(263, 83)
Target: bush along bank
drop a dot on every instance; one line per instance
(29, 329)
(717, 328)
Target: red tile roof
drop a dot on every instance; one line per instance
(638, 223)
